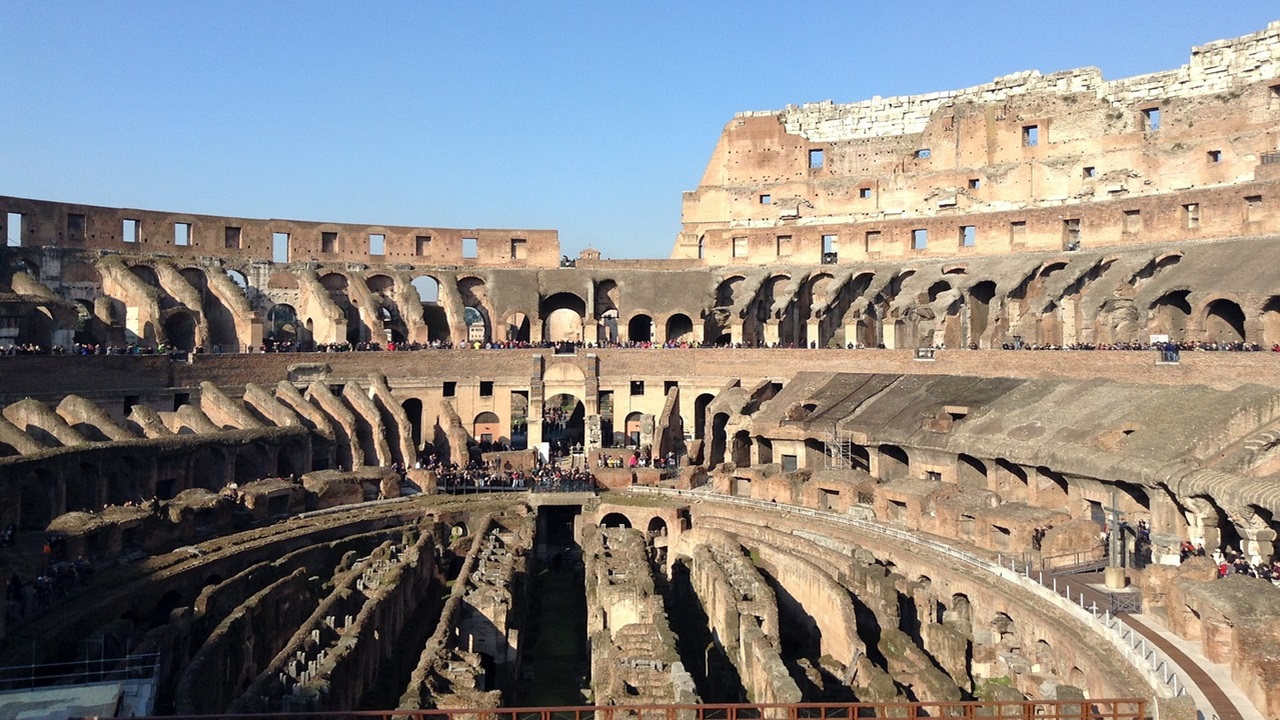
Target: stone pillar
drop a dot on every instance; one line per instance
(771, 330)
(1258, 544)
(813, 332)
(1205, 531)
(735, 331)
(888, 334)
(590, 330)
(1168, 528)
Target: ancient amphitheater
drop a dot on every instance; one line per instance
(954, 400)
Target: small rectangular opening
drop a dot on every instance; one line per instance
(637, 387)
(739, 247)
(1214, 156)
(1132, 221)
(816, 159)
(182, 234)
(924, 154)
(864, 192)
(486, 388)
(232, 237)
(830, 244)
(766, 199)
(1089, 172)
(167, 488)
(377, 244)
(421, 244)
(75, 227)
(919, 239)
(1151, 119)
(1253, 208)
(975, 183)
(470, 248)
(328, 242)
(933, 475)
(13, 230)
(1030, 135)
(450, 388)
(280, 247)
(968, 235)
(790, 463)
(1017, 231)
(668, 386)
(519, 249)
(784, 245)
(873, 241)
(129, 230)
(1071, 234)
(1191, 216)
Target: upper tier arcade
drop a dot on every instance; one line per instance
(1026, 162)
(38, 223)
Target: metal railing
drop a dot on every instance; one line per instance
(1106, 709)
(25, 677)
(1145, 657)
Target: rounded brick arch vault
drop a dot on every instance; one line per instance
(640, 517)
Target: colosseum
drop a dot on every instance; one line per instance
(965, 403)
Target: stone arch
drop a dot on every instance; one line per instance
(338, 286)
(1223, 321)
(562, 315)
(238, 278)
(606, 297)
(146, 274)
(475, 294)
(1271, 321)
(36, 501)
(719, 440)
(640, 328)
(1169, 314)
(632, 427)
(282, 324)
(700, 414)
(250, 464)
(615, 520)
(563, 420)
(487, 427)
(432, 312)
(413, 410)
(180, 331)
(894, 462)
(1051, 489)
(517, 324)
(741, 450)
(971, 472)
(679, 328)
(729, 290)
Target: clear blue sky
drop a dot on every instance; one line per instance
(587, 117)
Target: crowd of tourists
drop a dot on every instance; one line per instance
(291, 346)
(61, 577)
(1181, 346)
(497, 475)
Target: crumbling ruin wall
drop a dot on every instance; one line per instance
(1234, 620)
(743, 614)
(446, 672)
(243, 643)
(334, 657)
(634, 660)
